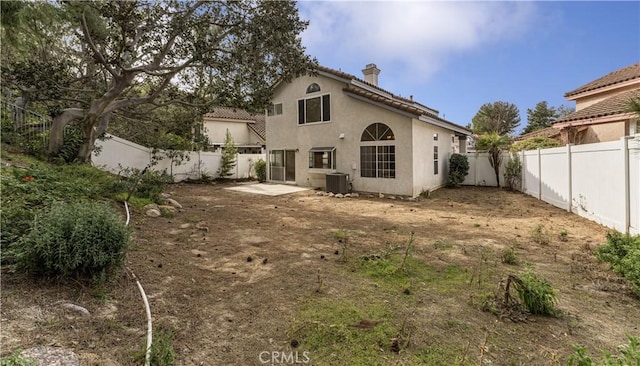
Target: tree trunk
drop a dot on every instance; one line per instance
(56, 135)
(89, 143)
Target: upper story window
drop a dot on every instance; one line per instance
(312, 88)
(435, 137)
(274, 109)
(316, 109)
(377, 132)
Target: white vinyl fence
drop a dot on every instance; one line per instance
(480, 171)
(598, 181)
(116, 154)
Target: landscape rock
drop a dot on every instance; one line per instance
(331, 194)
(151, 206)
(153, 212)
(380, 195)
(164, 196)
(172, 202)
(76, 308)
(168, 208)
(319, 193)
(185, 226)
(347, 195)
(339, 195)
(355, 195)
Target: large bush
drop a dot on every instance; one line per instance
(513, 172)
(261, 170)
(623, 253)
(533, 143)
(458, 169)
(83, 239)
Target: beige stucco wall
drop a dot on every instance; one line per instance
(604, 132)
(423, 143)
(349, 116)
(586, 101)
(217, 129)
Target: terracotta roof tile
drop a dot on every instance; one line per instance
(624, 74)
(256, 122)
(617, 104)
(395, 101)
(545, 132)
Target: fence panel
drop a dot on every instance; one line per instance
(480, 171)
(598, 181)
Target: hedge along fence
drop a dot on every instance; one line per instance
(117, 153)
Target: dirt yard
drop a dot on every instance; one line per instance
(236, 277)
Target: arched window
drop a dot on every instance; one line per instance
(377, 132)
(377, 154)
(312, 88)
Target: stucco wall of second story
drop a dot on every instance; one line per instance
(349, 117)
(604, 132)
(217, 129)
(588, 100)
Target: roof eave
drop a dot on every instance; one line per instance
(595, 120)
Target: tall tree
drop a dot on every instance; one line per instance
(120, 56)
(542, 116)
(494, 144)
(564, 110)
(497, 117)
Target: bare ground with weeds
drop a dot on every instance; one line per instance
(235, 274)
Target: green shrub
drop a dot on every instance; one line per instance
(73, 139)
(25, 191)
(536, 294)
(162, 352)
(145, 183)
(16, 359)
(513, 172)
(534, 143)
(458, 169)
(540, 236)
(86, 239)
(623, 253)
(261, 170)
(509, 257)
(629, 354)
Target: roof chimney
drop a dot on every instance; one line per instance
(371, 73)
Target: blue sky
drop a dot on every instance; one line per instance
(456, 56)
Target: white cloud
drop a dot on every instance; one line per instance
(416, 37)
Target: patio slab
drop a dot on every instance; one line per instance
(268, 189)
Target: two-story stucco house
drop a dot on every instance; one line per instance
(246, 129)
(602, 108)
(332, 121)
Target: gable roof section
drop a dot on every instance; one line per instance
(374, 93)
(624, 74)
(549, 132)
(255, 122)
(617, 104)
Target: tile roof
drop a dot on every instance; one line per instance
(390, 99)
(256, 122)
(617, 104)
(624, 74)
(545, 132)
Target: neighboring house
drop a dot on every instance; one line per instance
(332, 122)
(247, 129)
(550, 132)
(602, 109)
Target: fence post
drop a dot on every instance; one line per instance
(627, 191)
(569, 178)
(539, 176)
(523, 172)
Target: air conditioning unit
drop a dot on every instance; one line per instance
(338, 183)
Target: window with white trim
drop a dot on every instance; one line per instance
(435, 160)
(377, 152)
(322, 158)
(314, 109)
(274, 109)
